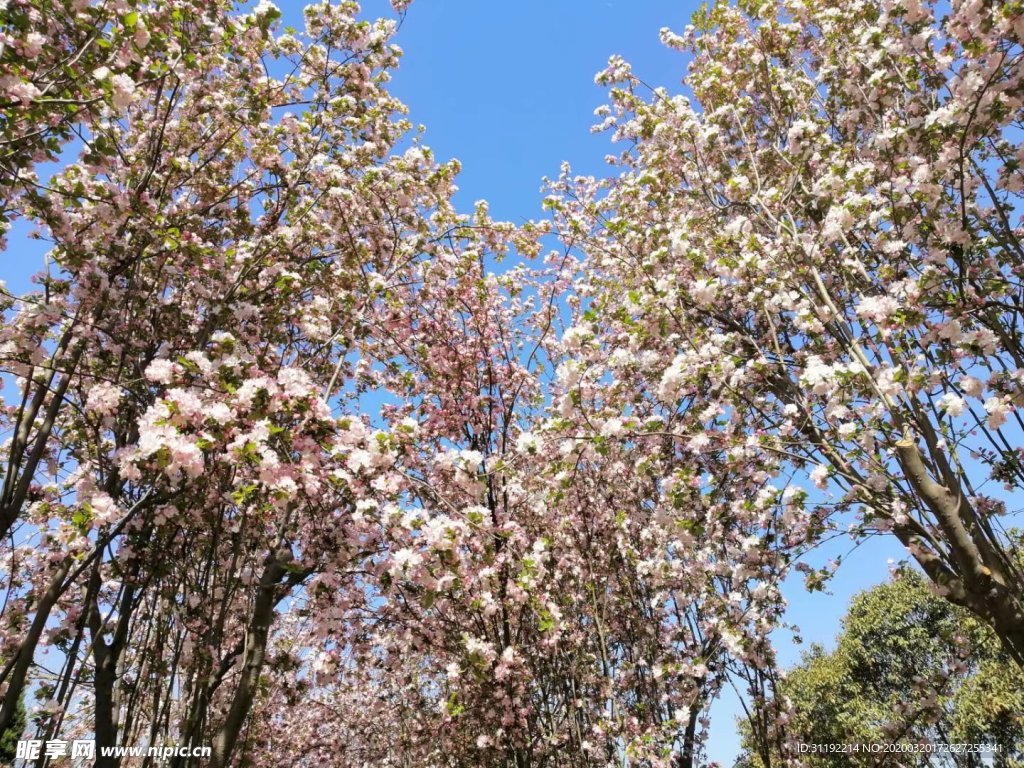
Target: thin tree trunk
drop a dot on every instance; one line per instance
(252, 665)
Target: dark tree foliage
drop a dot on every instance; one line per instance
(910, 669)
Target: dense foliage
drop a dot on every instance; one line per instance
(896, 638)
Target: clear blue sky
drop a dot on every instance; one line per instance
(507, 88)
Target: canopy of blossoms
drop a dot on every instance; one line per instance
(304, 464)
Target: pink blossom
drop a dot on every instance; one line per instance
(952, 404)
(878, 308)
(33, 44)
(22, 91)
(162, 371)
(103, 399)
(123, 91)
(998, 410)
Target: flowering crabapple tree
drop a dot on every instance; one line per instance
(65, 63)
(177, 472)
(689, 544)
(818, 264)
(538, 600)
(440, 661)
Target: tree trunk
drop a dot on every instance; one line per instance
(252, 664)
(980, 580)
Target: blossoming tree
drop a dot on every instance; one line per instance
(177, 469)
(539, 600)
(821, 264)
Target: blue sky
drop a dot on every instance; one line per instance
(507, 88)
